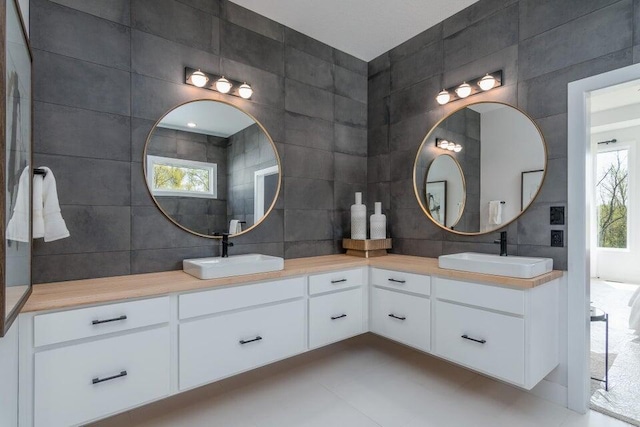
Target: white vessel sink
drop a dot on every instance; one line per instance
(236, 265)
(511, 266)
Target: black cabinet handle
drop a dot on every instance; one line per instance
(397, 281)
(466, 337)
(243, 342)
(338, 317)
(339, 281)
(101, 380)
(397, 317)
(115, 319)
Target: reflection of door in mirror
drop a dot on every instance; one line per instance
(530, 184)
(437, 201)
(265, 187)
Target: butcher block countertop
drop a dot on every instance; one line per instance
(59, 295)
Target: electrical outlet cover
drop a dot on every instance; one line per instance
(556, 215)
(557, 238)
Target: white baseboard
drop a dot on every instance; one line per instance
(553, 392)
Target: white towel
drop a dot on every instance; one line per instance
(495, 212)
(18, 227)
(234, 226)
(47, 219)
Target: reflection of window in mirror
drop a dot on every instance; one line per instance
(178, 177)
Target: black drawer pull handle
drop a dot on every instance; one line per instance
(115, 319)
(243, 342)
(397, 281)
(466, 337)
(101, 380)
(339, 281)
(397, 317)
(338, 317)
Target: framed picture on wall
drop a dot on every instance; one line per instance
(530, 183)
(437, 201)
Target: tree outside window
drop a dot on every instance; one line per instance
(612, 198)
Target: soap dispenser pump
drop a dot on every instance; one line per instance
(378, 223)
(358, 219)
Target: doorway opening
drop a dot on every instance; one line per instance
(614, 242)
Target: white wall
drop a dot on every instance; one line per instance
(510, 146)
(9, 378)
(445, 168)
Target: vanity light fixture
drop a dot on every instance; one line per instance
(218, 83)
(474, 86)
(192, 124)
(448, 145)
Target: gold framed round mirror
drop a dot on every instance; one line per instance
(212, 168)
(495, 153)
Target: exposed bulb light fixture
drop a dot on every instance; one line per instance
(192, 124)
(463, 90)
(245, 91)
(457, 148)
(223, 85)
(487, 82)
(443, 97)
(448, 145)
(476, 85)
(199, 79)
(442, 143)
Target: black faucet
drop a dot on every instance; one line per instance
(225, 245)
(503, 243)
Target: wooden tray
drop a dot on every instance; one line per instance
(366, 248)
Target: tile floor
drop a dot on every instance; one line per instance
(363, 382)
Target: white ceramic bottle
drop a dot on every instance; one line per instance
(378, 223)
(358, 219)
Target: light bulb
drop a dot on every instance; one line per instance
(457, 148)
(245, 91)
(199, 79)
(443, 143)
(192, 124)
(451, 146)
(463, 90)
(223, 85)
(443, 97)
(487, 82)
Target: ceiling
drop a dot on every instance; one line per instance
(363, 28)
(211, 118)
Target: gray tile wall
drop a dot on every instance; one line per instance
(541, 45)
(104, 73)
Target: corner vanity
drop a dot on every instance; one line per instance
(93, 348)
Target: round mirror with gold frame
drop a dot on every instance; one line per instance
(212, 168)
(495, 153)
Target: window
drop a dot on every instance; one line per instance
(177, 177)
(612, 201)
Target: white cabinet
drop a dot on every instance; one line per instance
(224, 345)
(401, 317)
(83, 382)
(335, 280)
(401, 281)
(335, 317)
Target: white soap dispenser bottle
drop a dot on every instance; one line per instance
(358, 219)
(378, 223)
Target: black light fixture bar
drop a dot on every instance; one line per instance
(611, 141)
(211, 83)
(475, 88)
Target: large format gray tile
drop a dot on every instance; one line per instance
(350, 84)
(414, 100)
(251, 48)
(308, 100)
(419, 66)
(174, 21)
(350, 139)
(308, 69)
(65, 31)
(350, 112)
(306, 44)
(92, 229)
(379, 86)
(416, 43)
(305, 193)
(505, 60)
(378, 168)
(308, 131)
(402, 194)
(268, 88)
(300, 225)
(209, 6)
(304, 249)
(408, 134)
(533, 225)
(252, 21)
(77, 132)
(609, 30)
(489, 35)
(401, 165)
(379, 64)
(140, 195)
(92, 182)
(554, 187)
(350, 62)
(378, 140)
(154, 56)
(417, 247)
(63, 80)
(114, 10)
(350, 168)
(270, 230)
(412, 224)
(473, 14)
(378, 112)
(152, 260)
(54, 268)
(538, 16)
(554, 130)
(150, 229)
(306, 162)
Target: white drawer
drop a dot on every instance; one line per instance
(484, 296)
(65, 393)
(335, 317)
(217, 347)
(500, 355)
(401, 317)
(70, 325)
(398, 280)
(225, 299)
(335, 280)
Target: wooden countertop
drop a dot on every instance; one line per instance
(50, 296)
